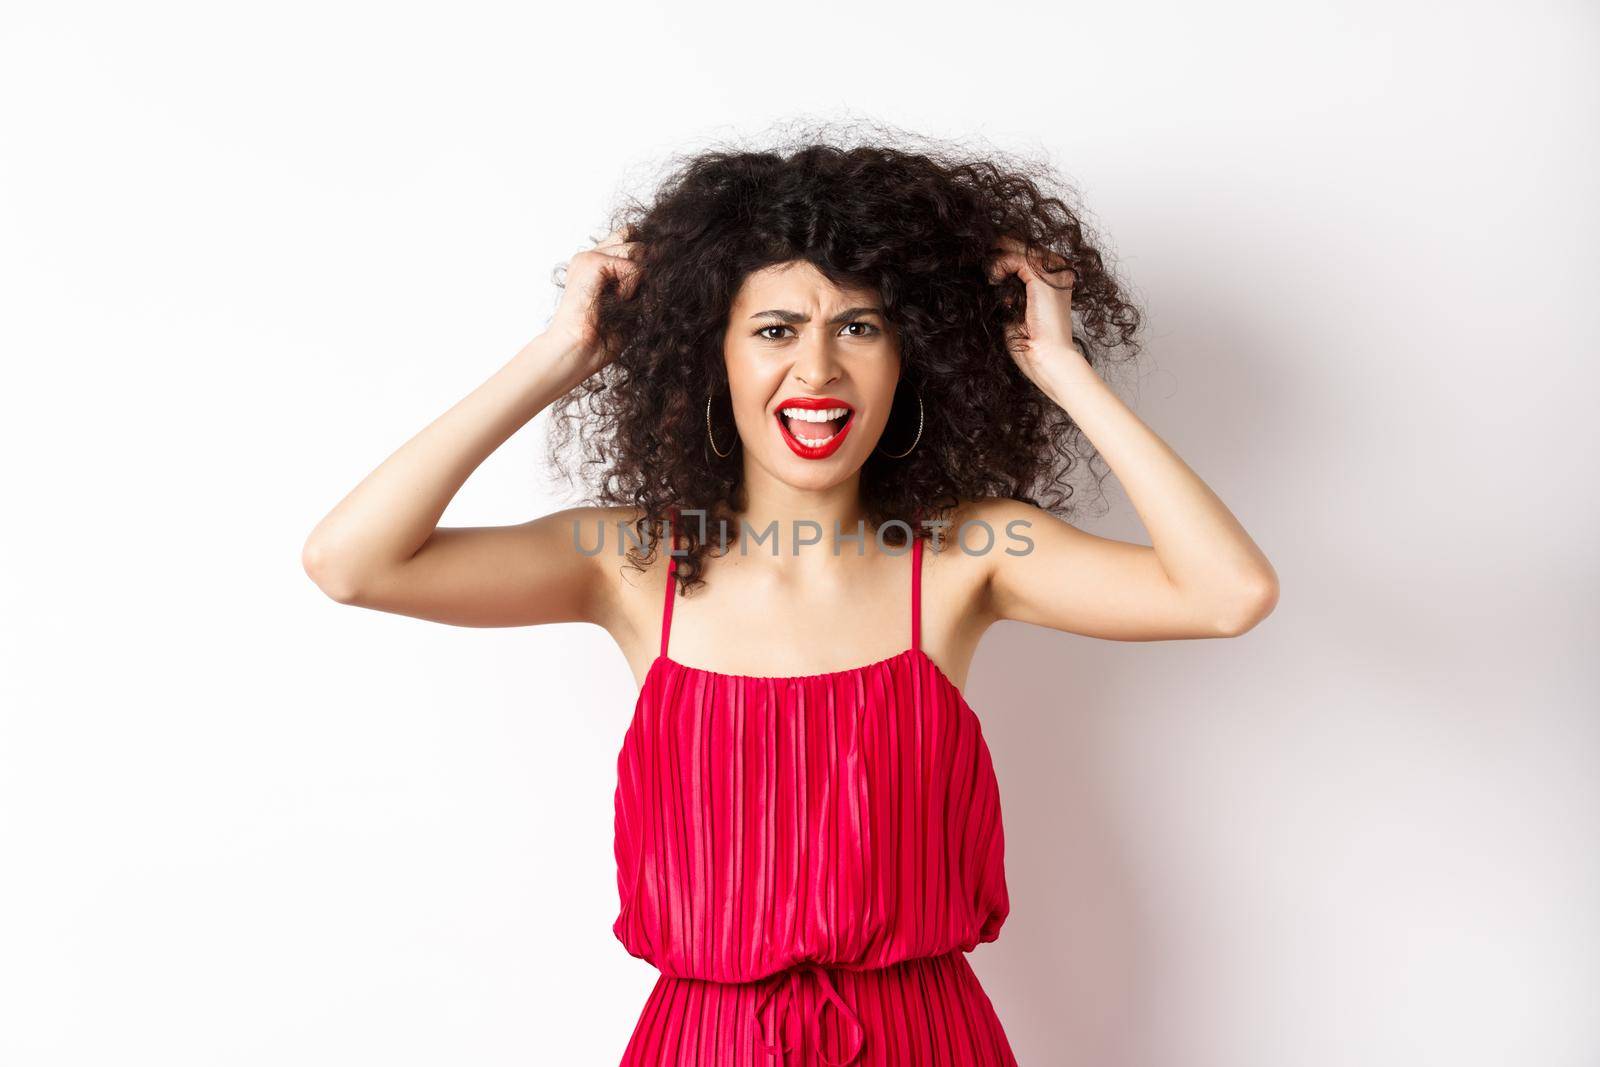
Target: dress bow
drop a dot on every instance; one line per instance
(789, 990)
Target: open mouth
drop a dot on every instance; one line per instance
(815, 428)
(814, 432)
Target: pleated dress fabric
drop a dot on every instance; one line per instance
(807, 860)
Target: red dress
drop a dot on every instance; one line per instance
(807, 860)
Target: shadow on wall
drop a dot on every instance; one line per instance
(1064, 975)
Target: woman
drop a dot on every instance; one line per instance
(812, 359)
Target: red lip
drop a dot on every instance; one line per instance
(813, 403)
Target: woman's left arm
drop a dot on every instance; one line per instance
(1202, 576)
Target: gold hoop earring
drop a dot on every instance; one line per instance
(710, 438)
(915, 439)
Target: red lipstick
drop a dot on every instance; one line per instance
(813, 403)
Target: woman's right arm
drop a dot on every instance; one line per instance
(381, 547)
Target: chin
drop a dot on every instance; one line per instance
(813, 475)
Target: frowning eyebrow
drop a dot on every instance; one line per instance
(792, 317)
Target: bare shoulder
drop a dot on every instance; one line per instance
(982, 534)
(957, 565)
(1004, 515)
(982, 526)
(611, 534)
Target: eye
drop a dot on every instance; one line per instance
(870, 327)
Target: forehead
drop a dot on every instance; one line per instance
(795, 285)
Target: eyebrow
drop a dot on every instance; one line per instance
(794, 316)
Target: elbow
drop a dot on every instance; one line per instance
(321, 567)
(1257, 600)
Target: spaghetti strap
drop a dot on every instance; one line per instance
(672, 587)
(916, 593)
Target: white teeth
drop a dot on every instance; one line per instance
(824, 415)
(816, 442)
(808, 415)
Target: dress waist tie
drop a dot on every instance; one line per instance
(789, 990)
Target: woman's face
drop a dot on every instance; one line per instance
(812, 370)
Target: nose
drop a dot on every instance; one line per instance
(815, 365)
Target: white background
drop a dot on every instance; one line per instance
(245, 252)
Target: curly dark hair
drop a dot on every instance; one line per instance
(917, 225)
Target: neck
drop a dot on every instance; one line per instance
(768, 501)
